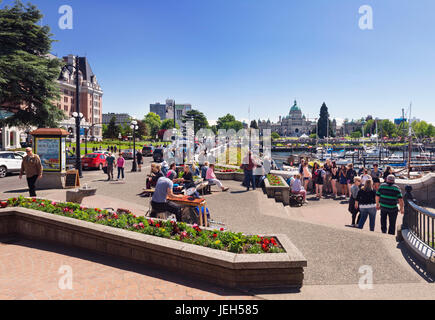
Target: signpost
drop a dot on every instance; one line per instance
(49, 145)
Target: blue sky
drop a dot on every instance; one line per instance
(223, 56)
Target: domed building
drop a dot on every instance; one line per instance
(294, 124)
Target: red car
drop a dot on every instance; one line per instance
(93, 160)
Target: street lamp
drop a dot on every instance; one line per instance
(78, 117)
(120, 138)
(70, 68)
(134, 127)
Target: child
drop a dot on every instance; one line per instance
(352, 198)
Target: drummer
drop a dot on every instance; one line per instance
(160, 203)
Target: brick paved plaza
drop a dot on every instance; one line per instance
(334, 252)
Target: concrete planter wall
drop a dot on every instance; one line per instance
(280, 193)
(224, 175)
(219, 267)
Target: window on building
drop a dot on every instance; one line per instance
(65, 99)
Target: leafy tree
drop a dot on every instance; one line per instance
(387, 128)
(370, 127)
(153, 121)
(143, 129)
(199, 119)
(422, 129)
(222, 120)
(356, 135)
(112, 130)
(214, 129)
(125, 130)
(323, 122)
(229, 122)
(27, 76)
(168, 124)
(275, 135)
(253, 124)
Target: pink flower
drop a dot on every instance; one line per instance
(54, 203)
(136, 226)
(195, 226)
(184, 234)
(141, 225)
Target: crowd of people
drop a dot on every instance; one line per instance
(363, 189)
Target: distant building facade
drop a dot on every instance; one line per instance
(166, 111)
(159, 109)
(120, 118)
(294, 124)
(91, 105)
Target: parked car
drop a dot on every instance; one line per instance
(127, 154)
(93, 160)
(21, 153)
(147, 151)
(158, 155)
(105, 152)
(9, 162)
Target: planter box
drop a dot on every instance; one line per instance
(224, 175)
(239, 176)
(219, 267)
(280, 193)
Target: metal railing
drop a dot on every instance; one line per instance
(419, 220)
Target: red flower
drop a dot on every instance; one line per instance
(214, 235)
(222, 229)
(141, 225)
(158, 225)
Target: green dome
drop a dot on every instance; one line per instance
(295, 107)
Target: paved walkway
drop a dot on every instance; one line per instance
(334, 252)
(30, 270)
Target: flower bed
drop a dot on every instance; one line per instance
(223, 169)
(124, 219)
(275, 181)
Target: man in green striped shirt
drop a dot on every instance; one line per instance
(387, 198)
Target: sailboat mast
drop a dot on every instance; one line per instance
(410, 142)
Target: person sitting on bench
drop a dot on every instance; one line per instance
(211, 177)
(204, 170)
(159, 201)
(297, 187)
(156, 173)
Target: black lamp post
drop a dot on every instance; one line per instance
(78, 117)
(134, 127)
(86, 140)
(120, 138)
(71, 68)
